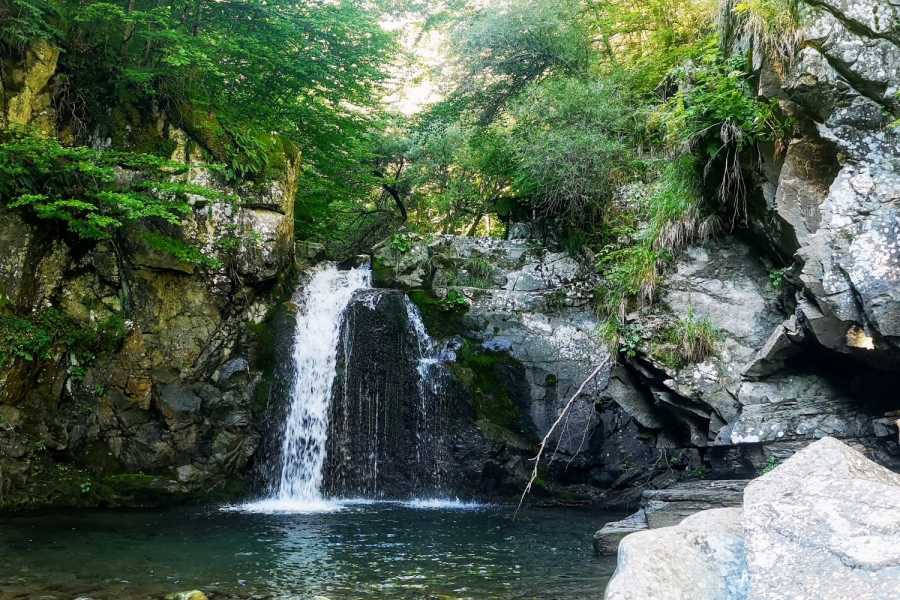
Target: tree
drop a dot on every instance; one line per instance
(503, 48)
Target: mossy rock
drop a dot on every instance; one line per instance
(442, 319)
(492, 378)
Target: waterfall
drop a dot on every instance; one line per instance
(365, 414)
(430, 387)
(323, 301)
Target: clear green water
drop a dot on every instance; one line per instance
(385, 551)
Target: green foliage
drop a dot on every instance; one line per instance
(475, 272)
(571, 141)
(715, 114)
(306, 71)
(774, 25)
(770, 465)
(504, 48)
(630, 272)
(24, 21)
(627, 338)
(95, 193)
(674, 210)
(695, 339)
(401, 243)
(454, 301)
(776, 278)
(43, 335)
(698, 473)
(646, 40)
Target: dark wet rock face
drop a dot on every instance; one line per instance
(386, 432)
(403, 423)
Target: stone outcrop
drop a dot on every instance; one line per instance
(810, 350)
(515, 298)
(832, 199)
(823, 524)
(668, 507)
(168, 404)
(25, 96)
(701, 559)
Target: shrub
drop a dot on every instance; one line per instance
(675, 207)
(695, 339)
(95, 193)
(773, 24)
(627, 338)
(40, 336)
(715, 115)
(475, 272)
(632, 272)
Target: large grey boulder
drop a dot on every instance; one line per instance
(703, 558)
(825, 524)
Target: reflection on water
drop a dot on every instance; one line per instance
(365, 550)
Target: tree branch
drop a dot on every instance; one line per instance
(562, 415)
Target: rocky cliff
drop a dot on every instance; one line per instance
(807, 350)
(168, 400)
(801, 304)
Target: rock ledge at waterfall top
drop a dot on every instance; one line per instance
(822, 525)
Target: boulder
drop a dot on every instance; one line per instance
(824, 524)
(402, 264)
(703, 558)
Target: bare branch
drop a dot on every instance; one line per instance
(563, 414)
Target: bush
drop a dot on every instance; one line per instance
(95, 193)
(629, 273)
(40, 336)
(572, 140)
(716, 116)
(695, 339)
(475, 272)
(774, 25)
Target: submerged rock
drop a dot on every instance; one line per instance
(192, 595)
(669, 506)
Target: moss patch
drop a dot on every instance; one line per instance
(491, 378)
(442, 319)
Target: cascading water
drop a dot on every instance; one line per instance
(324, 299)
(366, 412)
(430, 384)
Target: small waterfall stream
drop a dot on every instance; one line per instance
(324, 300)
(430, 384)
(366, 392)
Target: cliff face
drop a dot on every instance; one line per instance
(171, 406)
(801, 352)
(832, 198)
(809, 350)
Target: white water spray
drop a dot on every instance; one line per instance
(323, 301)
